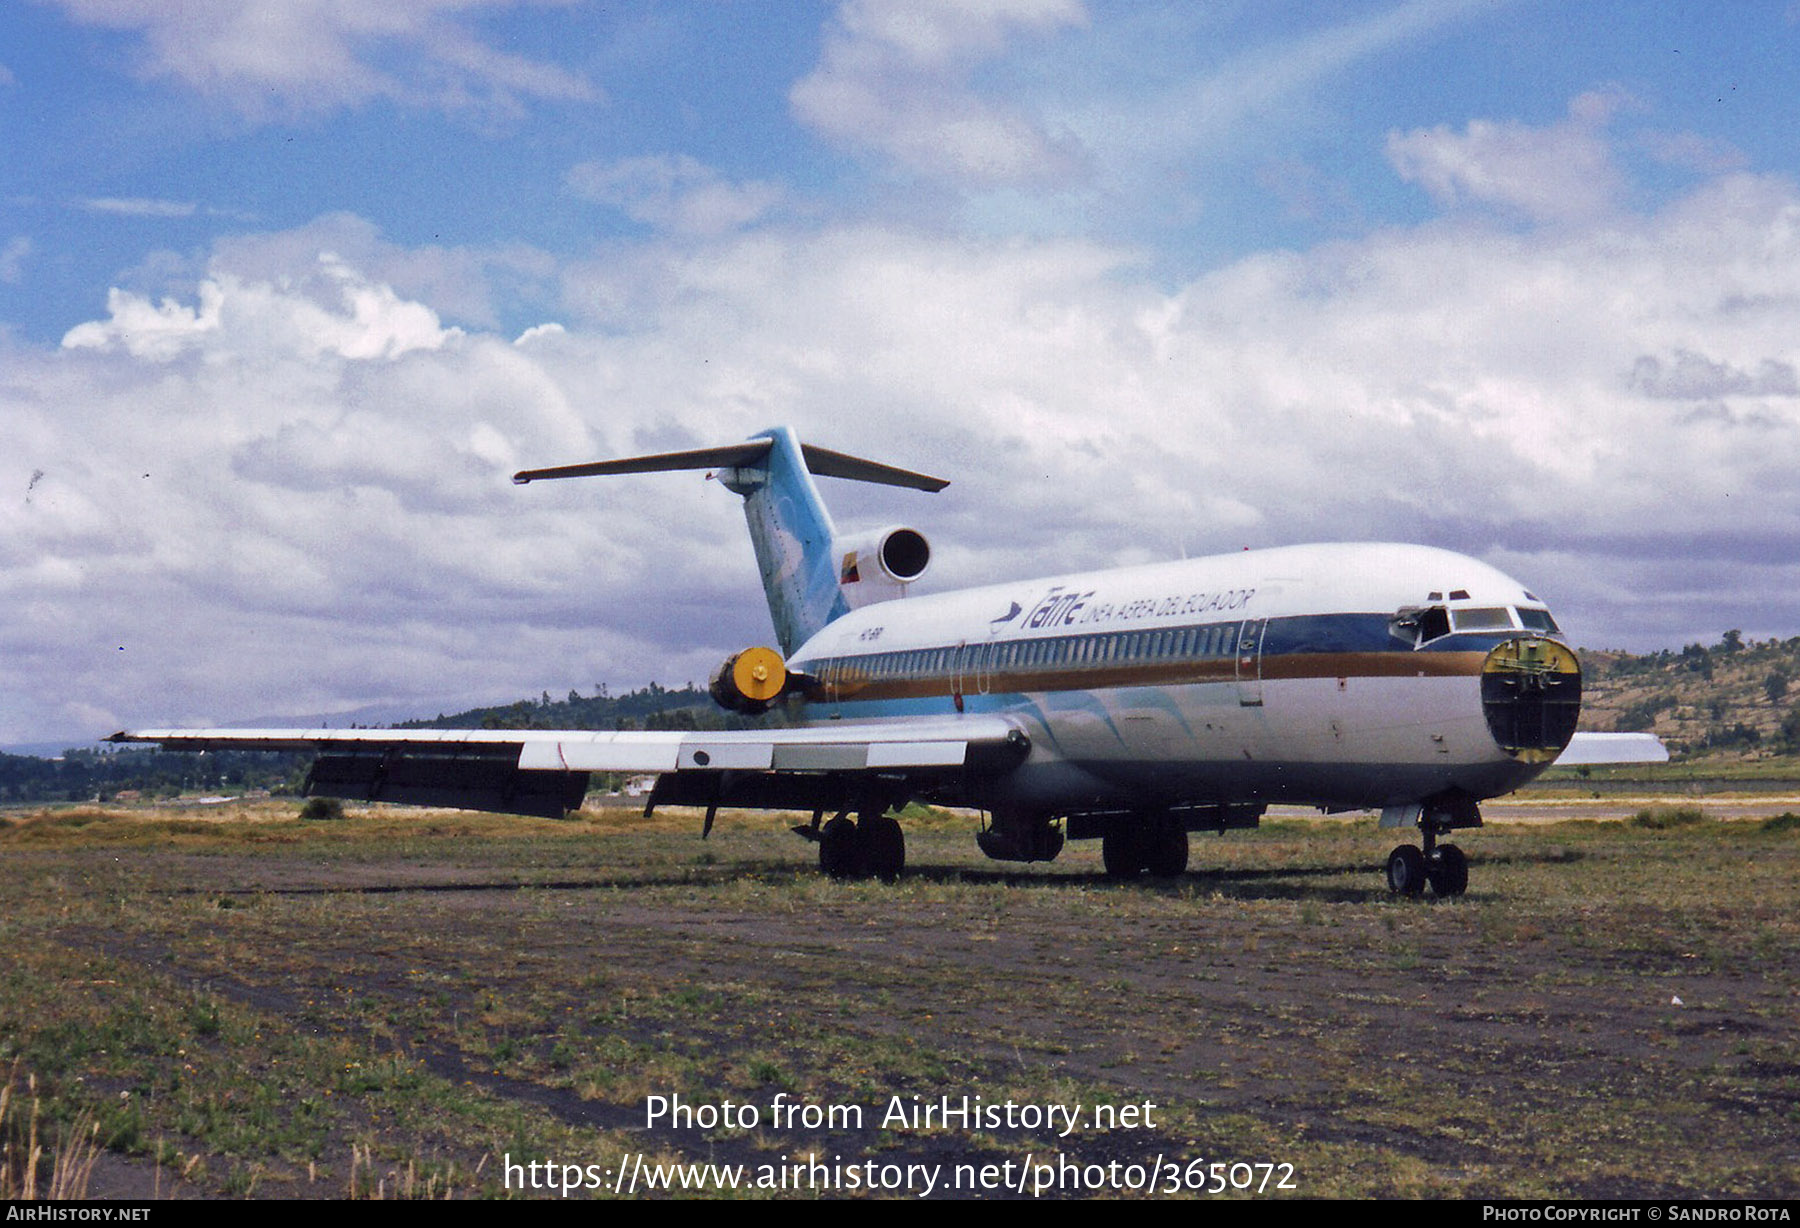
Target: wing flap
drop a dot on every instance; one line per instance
(891, 744)
(820, 758)
(917, 754)
(638, 755)
(460, 781)
(726, 756)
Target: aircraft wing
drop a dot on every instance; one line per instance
(1586, 749)
(545, 771)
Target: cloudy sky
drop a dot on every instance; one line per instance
(288, 288)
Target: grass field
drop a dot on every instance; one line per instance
(228, 1001)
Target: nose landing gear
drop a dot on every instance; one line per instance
(1443, 867)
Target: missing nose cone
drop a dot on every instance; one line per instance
(1531, 695)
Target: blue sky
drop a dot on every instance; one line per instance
(287, 287)
(1208, 131)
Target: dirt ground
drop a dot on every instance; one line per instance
(410, 1004)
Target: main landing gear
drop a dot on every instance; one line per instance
(1157, 849)
(871, 846)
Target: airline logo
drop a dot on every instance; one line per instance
(1062, 607)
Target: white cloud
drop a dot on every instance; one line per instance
(676, 193)
(1209, 103)
(897, 79)
(286, 489)
(13, 256)
(471, 285)
(317, 55)
(1563, 172)
(209, 494)
(139, 207)
(339, 312)
(1691, 152)
(146, 330)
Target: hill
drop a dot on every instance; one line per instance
(1732, 700)
(654, 707)
(81, 775)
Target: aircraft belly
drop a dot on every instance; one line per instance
(1355, 742)
(1377, 720)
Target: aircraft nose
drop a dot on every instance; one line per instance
(1531, 696)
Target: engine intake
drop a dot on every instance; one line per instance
(877, 566)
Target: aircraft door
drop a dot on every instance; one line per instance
(1249, 662)
(970, 671)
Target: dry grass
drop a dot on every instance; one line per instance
(258, 1006)
(33, 1167)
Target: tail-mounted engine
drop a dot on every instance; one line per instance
(749, 681)
(877, 566)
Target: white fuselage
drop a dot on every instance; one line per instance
(1338, 675)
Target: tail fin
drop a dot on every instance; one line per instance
(789, 526)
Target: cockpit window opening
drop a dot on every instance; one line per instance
(1434, 623)
(1538, 620)
(1482, 618)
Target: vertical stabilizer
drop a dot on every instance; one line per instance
(789, 526)
(792, 534)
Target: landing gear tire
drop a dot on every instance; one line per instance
(1123, 854)
(841, 848)
(1448, 871)
(1166, 853)
(1406, 871)
(883, 846)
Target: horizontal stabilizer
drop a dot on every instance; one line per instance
(820, 461)
(1588, 749)
(829, 464)
(695, 458)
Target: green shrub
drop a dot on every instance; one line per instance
(1661, 818)
(322, 808)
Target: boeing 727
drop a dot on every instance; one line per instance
(1134, 705)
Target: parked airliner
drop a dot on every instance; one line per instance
(1134, 705)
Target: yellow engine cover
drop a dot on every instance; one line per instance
(758, 674)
